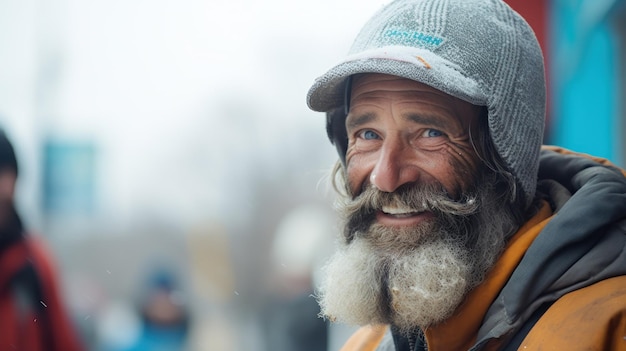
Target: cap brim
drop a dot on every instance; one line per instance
(416, 64)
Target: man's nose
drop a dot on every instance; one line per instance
(395, 167)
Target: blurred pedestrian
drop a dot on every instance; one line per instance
(290, 319)
(163, 321)
(33, 316)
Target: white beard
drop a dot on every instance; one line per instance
(420, 288)
(413, 277)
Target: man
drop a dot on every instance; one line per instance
(461, 231)
(32, 314)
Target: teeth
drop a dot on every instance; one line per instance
(394, 210)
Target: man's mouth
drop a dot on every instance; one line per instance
(399, 215)
(400, 211)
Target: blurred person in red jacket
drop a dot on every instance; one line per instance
(32, 313)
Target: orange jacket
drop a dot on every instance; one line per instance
(589, 315)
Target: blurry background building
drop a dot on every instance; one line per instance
(176, 134)
(584, 42)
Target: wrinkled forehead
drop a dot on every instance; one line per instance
(375, 82)
(366, 88)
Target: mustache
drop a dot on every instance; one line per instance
(360, 211)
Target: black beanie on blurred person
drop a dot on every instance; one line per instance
(11, 228)
(7, 153)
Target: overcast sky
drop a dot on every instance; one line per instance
(149, 82)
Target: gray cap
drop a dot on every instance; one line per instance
(480, 51)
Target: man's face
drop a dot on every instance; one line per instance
(419, 229)
(401, 131)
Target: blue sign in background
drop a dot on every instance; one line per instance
(69, 173)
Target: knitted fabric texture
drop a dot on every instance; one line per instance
(480, 51)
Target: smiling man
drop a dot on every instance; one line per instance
(461, 232)
(413, 215)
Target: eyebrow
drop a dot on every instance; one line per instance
(353, 122)
(435, 121)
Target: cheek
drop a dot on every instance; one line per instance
(464, 166)
(357, 173)
(355, 180)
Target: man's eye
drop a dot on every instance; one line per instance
(369, 135)
(433, 133)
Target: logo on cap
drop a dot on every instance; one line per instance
(412, 38)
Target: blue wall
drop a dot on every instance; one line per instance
(587, 75)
